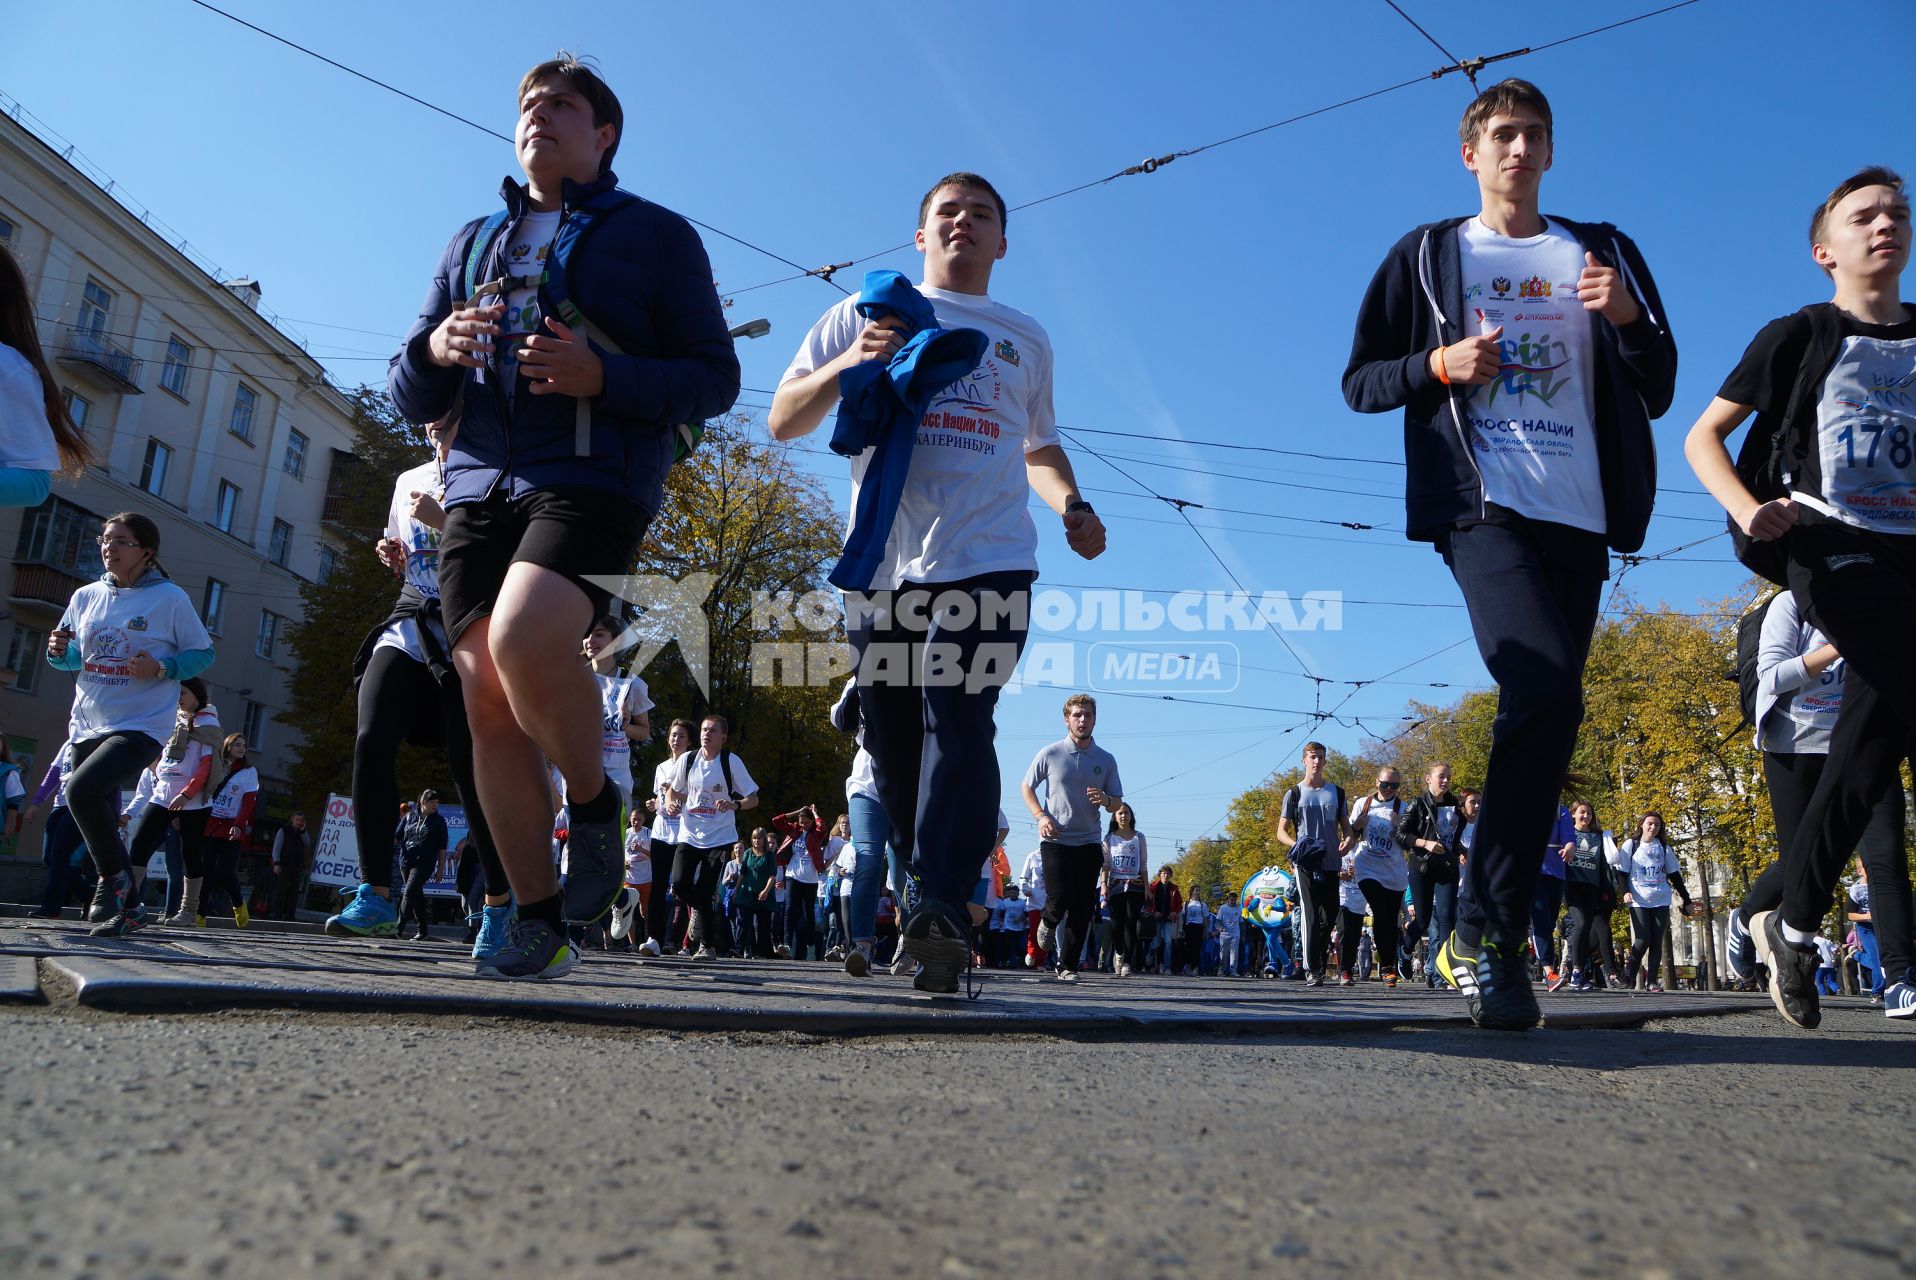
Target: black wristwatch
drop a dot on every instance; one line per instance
(1079, 504)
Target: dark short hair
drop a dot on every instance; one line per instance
(1875, 175)
(716, 718)
(145, 532)
(1504, 98)
(964, 179)
(576, 70)
(197, 687)
(608, 623)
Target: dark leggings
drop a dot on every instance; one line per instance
(58, 842)
(396, 696)
(102, 768)
(695, 877)
(222, 873)
(1586, 930)
(150, 830)
(658, 904)
(1124, 920)
(1653, 927)
(1385, 905)
(412, 901)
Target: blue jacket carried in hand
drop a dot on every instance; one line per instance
(880, 405)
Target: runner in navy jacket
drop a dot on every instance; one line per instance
(1529, 355)
(592, 333)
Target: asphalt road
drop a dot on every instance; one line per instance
(282, 1143)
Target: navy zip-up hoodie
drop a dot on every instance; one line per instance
(1415, 303)
(643, 279)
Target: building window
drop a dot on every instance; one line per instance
(268, 638)
(295, 463)
(281, 547)
(254, 726)
(245, 401)
(328, 561)
(213, 605)
(153, 470)
(60, 534)
(179, 363)
(6, 230)
(226, 507)
(25, 656)
(96, 304)
(77, 407)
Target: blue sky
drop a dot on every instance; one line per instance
(1212, 300)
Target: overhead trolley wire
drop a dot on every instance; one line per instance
(1469, 67)
(474, 124)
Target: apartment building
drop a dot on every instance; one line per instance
(201, 413)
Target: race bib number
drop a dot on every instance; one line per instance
(1866, 434)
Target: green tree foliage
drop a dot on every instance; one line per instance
(739, 509)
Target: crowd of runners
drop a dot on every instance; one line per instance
(571, 344)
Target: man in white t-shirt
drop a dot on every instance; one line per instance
(710, 787)
(960, 530)
(1529, 355)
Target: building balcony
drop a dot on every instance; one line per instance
(43, 585)
(102, 361)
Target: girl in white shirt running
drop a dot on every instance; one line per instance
(1126, 872)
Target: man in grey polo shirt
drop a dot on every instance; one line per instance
(1080, 778)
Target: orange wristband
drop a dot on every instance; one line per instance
(1443, 374)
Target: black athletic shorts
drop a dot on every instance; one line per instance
(578, 533)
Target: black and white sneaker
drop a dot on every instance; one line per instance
(1792, 971)
(1740, 954)
(938, 940)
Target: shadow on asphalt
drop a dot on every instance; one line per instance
(1851, 1043)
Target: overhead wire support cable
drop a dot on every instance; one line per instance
(1468, 66)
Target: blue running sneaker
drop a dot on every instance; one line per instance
(534, 951)
(1899, 999)
(595, 867)
(367, 916)
(1740, 954)
(495, 928)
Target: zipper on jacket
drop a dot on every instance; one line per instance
(1450, 392)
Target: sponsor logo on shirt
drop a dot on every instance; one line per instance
(1534, 287)
(136, 624)
(1500, 287)
(1005, 351)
